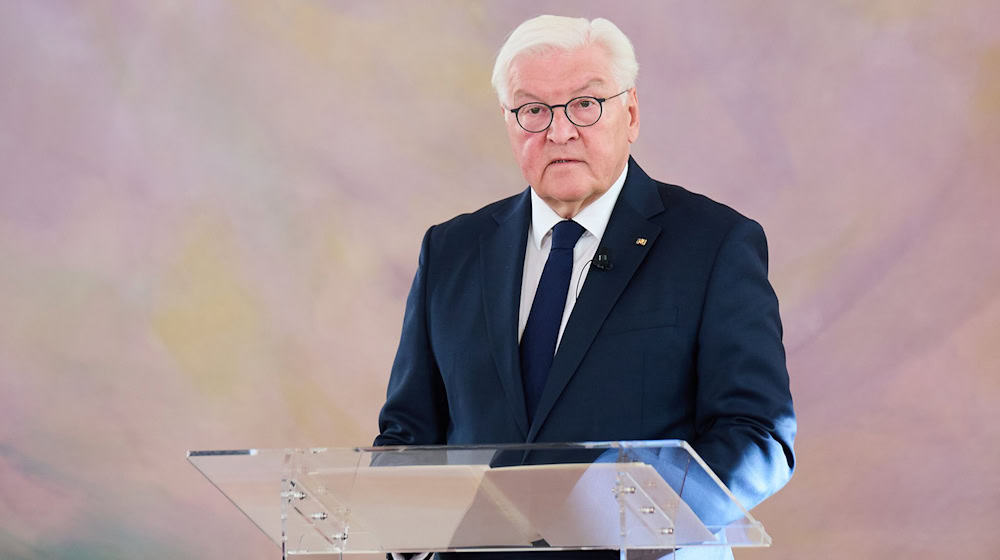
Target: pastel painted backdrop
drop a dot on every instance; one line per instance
(210, 213)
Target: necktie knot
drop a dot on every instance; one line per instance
(565, 234)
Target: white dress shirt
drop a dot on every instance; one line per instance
(594, 219)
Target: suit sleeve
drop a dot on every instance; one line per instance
(416, 409)
(745, 423)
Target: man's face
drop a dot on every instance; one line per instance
(570, 166)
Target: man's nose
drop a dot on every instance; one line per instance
(561, 130)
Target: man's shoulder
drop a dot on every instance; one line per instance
(679, 203)
(483, 219)
(696, 208)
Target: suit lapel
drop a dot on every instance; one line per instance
(638, 200)
(502, 265)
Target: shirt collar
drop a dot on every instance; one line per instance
(594, 217)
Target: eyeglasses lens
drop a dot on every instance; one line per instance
(534, 117)
(584, 111)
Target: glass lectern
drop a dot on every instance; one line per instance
(337, 502)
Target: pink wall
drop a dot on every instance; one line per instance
(210, 214)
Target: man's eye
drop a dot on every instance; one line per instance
(534, 110)
(585, 103)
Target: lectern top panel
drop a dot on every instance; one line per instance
(606, 495)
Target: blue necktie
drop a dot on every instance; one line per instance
(538, 341)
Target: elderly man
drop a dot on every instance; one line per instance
(597, 304)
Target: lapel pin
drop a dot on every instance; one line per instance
(641, 241)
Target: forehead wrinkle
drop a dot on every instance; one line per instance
(588, 85)
(591, 83)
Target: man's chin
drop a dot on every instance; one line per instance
(568, 201)
(565, 195)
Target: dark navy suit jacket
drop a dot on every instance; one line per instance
(681, 339)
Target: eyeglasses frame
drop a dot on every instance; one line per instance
(552, 110)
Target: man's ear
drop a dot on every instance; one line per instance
(633, 115)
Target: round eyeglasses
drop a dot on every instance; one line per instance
(581, 111)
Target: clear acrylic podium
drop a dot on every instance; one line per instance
(337, 502)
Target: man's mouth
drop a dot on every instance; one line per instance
(564, 161)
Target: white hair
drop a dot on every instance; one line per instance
(543, 33)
